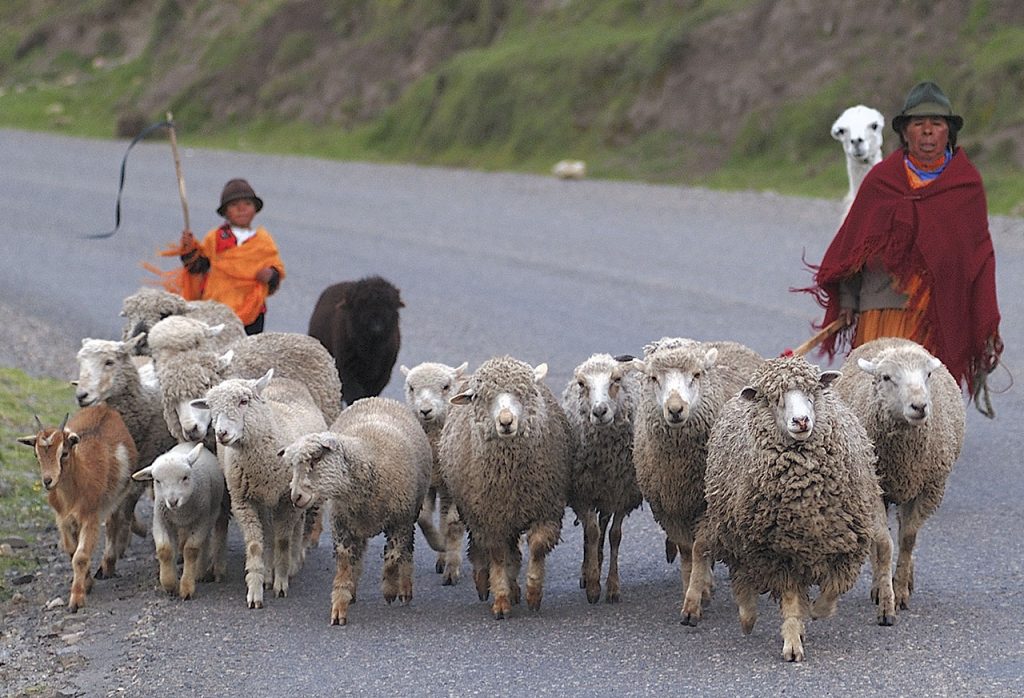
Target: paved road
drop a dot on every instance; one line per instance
(546, 271)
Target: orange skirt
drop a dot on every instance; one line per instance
(909, 323)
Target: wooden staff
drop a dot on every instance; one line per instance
(177, 170)
(825, 332)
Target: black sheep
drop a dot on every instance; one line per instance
(357, 321)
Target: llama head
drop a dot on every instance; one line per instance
(860, 129)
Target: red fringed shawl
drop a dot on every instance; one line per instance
(938, 233)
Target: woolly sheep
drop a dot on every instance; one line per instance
(107, 373)
(253, 420)
(180, 333)
(148, 306)
(428, 387)
(373, 466)
(600, 404)
(914, 413)
(357, 322)
(792, 501)
(569, 169)
(190, 515)
(860, 131)
(505, 454)
(685, 383)
(85, 464)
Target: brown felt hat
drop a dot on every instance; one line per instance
(237, 189)
(927, 99)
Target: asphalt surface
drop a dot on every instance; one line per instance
(547, 271)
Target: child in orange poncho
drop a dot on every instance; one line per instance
(234, 264)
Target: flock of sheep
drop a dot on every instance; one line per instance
(781, 471)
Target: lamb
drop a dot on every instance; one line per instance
(85, 464)
(506, 457)
(253, 420)
(792, 501)
(357, 322)
(600, 404)
(914, 414)
(428, 387)
(147, 306)
(190, 516)
(684, 385)
(860, 131)
(107, 373)
(374, 468)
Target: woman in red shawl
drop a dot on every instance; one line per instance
(914, 257)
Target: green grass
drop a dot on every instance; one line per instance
(24, 511)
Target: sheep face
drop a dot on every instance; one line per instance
(100, 362)
(599, 385)
(901, 381)
(789, 389)
(304, 457)
(179, 333)
(675, 380)
(860, 131)
(228, 404)
(502, 392)
(428, 388)
(144, 309)
(171, 474)
(52, 448)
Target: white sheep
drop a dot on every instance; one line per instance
(914, 413)
(600, 404)
(85, 465)
(428, 388)
(373, 466)
(182, 333)
(569, 169)
(506, 455)
(792, 502)
(685, 383)
(107, 372)
(148, 306)
(860, 131)
(190, 516)
(253, 420)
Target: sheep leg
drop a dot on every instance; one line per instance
(427, 514)
(911, 515)
(288, 548)
(590, 573)
(453, 531)
(542, 539)
(218, 546)
(793, 605)
(512, 566)
(397, 582)
(612, 594)
(671, 549)
(499, 581)
(192, 550)
(746, 601)
(166, 550)
(882, 592)
(696, 585)
(478, 558)
(343, 588)
(313, 526)
(249, 521)
(81, 582)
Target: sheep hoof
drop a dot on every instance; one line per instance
(612, 597)
(690, 619)
(439, 566)
(339, 621)
(886, 619)
(255, 604)
(390, 598)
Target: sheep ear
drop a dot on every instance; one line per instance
(214, 330)
(404, 369)
(867, 366)
(934, 363)
(827, 378)
(637, 365)
(280, 452)
(710, 357)
(224, 360)
(263, 381)
(463, 398)
(134, 341)
(199, 404)
(461, 368)
(193, 455)
(28, 440)
(749, 393)
(144, 474)
(539, 372)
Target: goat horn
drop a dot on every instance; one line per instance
(64, 423)
(38, 422)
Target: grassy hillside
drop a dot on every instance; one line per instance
(724, 93)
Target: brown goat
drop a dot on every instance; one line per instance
(86, 465)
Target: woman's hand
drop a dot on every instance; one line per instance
(265, 275)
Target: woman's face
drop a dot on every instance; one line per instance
(240, 212)
(927, 138)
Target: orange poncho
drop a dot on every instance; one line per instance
(232, 275)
